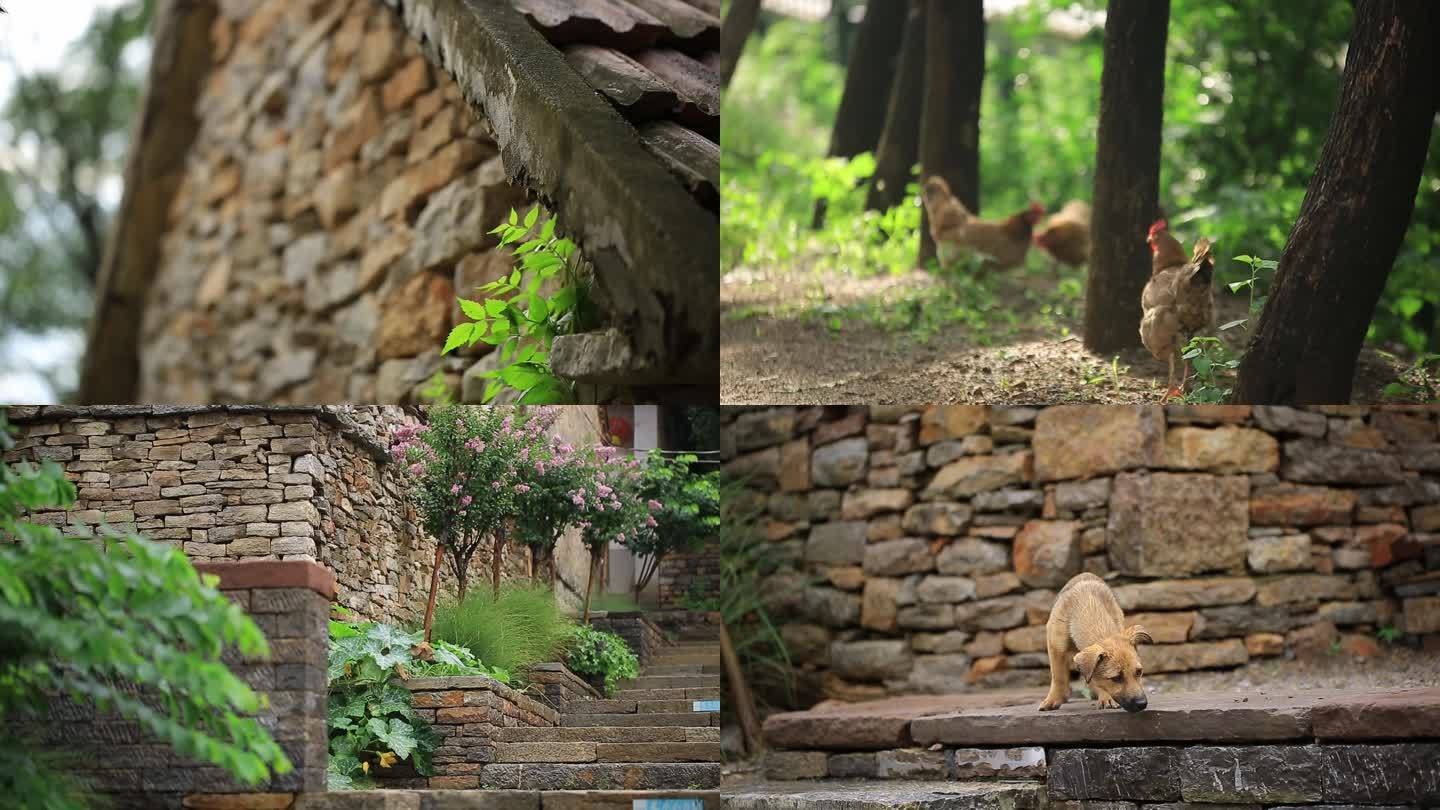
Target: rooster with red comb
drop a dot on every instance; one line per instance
(1179, 301)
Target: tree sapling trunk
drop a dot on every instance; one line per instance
(434, 589)
(950, 115)
(1127, 171)
(734, 31)
(899, 147)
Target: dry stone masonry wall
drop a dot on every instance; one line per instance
(337, 196)
(928, 544)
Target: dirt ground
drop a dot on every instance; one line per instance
(773, 352)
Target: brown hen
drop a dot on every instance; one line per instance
(1066, 234)
(957, 232)
(1178, 301)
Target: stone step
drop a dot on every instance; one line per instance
(697, 657)
(495, 799)
(696, 719)
(671, 681)
(681, 669)
(693, 693)
(609, 734)
(631, 706)
(602, 776)
(841, 795)
(635, 752)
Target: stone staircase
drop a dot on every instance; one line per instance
(655, 733)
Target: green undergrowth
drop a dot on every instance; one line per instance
(525, 626)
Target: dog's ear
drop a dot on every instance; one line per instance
(1137, 634)
(1088, 659)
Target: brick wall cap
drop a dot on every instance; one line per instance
(246, 574)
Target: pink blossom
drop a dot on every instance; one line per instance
(454, 489)
(416, 468)
(654, 505)
(522, 488)
(540, 467)
(466, 501)
(650, 521)
(494, 484)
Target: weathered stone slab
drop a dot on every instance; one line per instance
(1401, 714)
(875, 725)
(972, 475)
(910, 763)
(1316, 462)
(1138, 772)
(887, 796)
(1209, 716)
(1225, 449)
(1177, 524)
(1082, 441)
(1406, 773)
(1007, 763)
(1260, 773)
(1185, 593)
(1194, 655)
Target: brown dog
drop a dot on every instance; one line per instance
(1087, 620)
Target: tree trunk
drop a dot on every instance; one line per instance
(734, 31)
(434, 589)
(744, 701)
(861, 116)
(950, 114)
(899, 147)
(1127, 171)
(497, 557)
(1355, 213)
(590, 585)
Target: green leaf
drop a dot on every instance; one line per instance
(532, 216)
(494, 306)
(1245, 259)
(459, 336)
(550, 391)
(472, 309)
(1237, 286)
(1232, 324)
(523, 376)
(538, 310)
(514, 217)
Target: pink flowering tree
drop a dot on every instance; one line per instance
(611, 509)
(467, 467)
(555, 471)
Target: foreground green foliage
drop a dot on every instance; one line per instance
(748, 595)
(602, 655)
(523, 627)
(371, 715)
(81, 619)
(520, 319)
(684, 511)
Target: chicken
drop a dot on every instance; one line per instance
(1178, 301)
(1066, 234)
(956, 231)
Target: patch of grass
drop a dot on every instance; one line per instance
(524, 627)
(616, 602)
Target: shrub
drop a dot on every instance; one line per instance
(523, 627)
(371, 718)
(684, 512)
(85, 620)
(603, 656)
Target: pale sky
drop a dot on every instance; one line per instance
(36, 35)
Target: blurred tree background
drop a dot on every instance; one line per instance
(64, 131)
(1250, 88)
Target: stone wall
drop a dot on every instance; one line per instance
(243, 482)
(337, 195)
(696, 573)
(640, 634)
(289, 601)
(928, 545)
(465, 712)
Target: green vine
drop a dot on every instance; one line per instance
(520, 320)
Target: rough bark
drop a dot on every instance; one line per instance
(950, 113)
(1355, 212)
(434, 589)
(1127, 171)
(734, 31)
(590, 585)
(861, 117)
(899, 147)
(497, 560)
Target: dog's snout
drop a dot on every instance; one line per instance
(1135, 704)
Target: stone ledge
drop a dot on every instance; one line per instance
(912, 795)
(875, 725)
(496, 799)
(1402, 714)
(266, 574)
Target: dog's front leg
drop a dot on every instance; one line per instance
(1057, 639)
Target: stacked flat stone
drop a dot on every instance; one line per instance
(928, 544)
(338, 195)
(682, 574)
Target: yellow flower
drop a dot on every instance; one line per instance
(388, 759)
